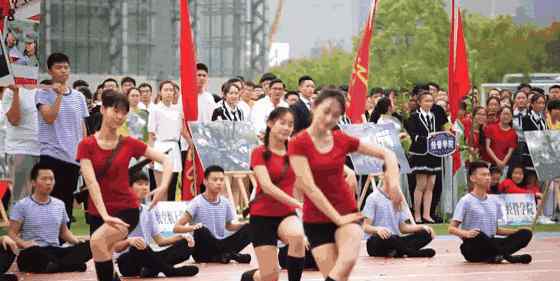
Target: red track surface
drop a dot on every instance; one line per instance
(447, 265)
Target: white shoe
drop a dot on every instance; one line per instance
(546, 220)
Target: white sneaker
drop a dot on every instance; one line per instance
(545, 220)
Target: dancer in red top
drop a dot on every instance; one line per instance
(114, 207)
(331, 218)
(273, 214)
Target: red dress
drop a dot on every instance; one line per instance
(115, 189)
(282, 175)
(328, 173)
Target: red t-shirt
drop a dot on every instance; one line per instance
(508, 186)
(281, 176)
(115, 190)
(328, 173)
(500, 141)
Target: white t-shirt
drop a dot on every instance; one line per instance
(260, 112)
(206, 106)
(2, 132)
(22, 139)
(245, 108)
(166, 122)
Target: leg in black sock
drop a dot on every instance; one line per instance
(295, 268)
(248, 275)
(104, 270)
(329, 279)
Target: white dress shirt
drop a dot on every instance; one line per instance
(260, 112)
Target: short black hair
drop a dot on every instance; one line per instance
(290, 93)
(537, 90)
(495, 169)
(55, 58)
(86, 92)
(277, 80)
(139, 176)
(304, 78)
(250, 84)
(553, 105)
(128, 79)
(213, 169)
(267, 77)
(235, 80)
(38, 167)
(475, 165)
(343, 88)
(112, 98)
(110, 80)
(524, 85)
(376, 90)
(145, 85)
(79, 83)
(556, 86)
(201, 66)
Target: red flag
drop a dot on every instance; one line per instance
(459, 83)
(192, 172)
(4, 12)
(357, 92)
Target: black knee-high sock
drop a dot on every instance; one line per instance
(104, 270)
(329, 279)
(295, 268)
(248, 275)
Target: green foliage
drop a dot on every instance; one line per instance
(410, 45)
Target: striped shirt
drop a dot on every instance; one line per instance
(147, 227)
(40, 222)
(213, 215)
(60, 139)
(483, 214)
(379, 209)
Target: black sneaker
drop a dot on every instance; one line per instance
(423, 253)
(147, 272)
(8, 277)
(248, 275)
(525, 259)
(241, 258)
(224, 258)
(185, 271)
(497, 259)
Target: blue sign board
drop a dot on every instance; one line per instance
(441, 144)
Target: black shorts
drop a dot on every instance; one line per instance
(130, 216)
(264, 230)
(320, 233)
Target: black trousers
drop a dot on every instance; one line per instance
(66, 181)
(6, 259)
(131, 262)
(209, 249)
(483, 248)
(35, 259)
(403, 245)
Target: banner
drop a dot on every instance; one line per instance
(517, 209)
(385, 135)
(544, 148)
(21, 37)
(167, 213)
(441, 144)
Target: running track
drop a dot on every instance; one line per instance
(448, 264)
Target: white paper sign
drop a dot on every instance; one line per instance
(518, 209)
(167, 214)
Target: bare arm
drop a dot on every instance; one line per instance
(161, 190)
(490, 151)
(310, 189)
(14, 113)
(271, 189)
(151, 139)
(166, 241)
(88, 173)
(505, 231)
(461, 233)
(406, 228)
(508, 155)
(48, 112)
(14, 231)
(121, 246)
(233, 226)
(183, 224)
(67, 235)
(84, 129)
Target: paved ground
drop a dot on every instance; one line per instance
(447, 265)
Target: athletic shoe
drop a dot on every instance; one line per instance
(147, 272)
(8, 277)
(545, 220)
(525, 258)
(497, 259)
(241, 258)
(248, 275)
(185, 271)
(423, 253)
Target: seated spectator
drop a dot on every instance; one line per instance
(385, 225)
(208, 216)
(137, 258)
(515, 183)
(475, 221)
(36, 224)
(7, 257)
(495, 176)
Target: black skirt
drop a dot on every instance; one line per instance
(426, 164)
